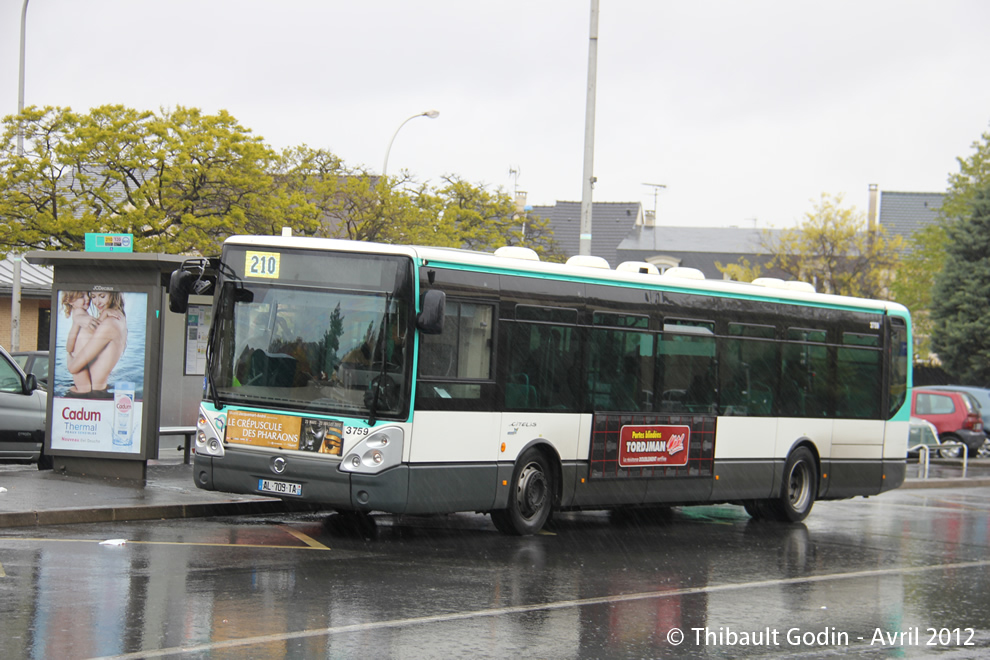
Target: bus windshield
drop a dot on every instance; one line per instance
(313, 346)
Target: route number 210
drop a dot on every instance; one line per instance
(262, 264)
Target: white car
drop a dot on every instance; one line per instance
(23, 407)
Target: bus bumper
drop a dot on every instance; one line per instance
(894, 472)
(320, 480)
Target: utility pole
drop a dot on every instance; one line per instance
(15, 294)
(589, 134)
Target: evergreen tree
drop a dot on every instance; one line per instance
(961, 300)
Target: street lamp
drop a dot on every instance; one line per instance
(20, 81)
(432, 114)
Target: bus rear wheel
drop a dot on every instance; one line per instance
(797, 493)
(531, 499)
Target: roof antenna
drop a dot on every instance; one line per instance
(656, 191)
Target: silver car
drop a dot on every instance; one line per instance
(22, 413)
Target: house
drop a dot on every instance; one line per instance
(623, 231)
(35, 311)
(611, 222)
(694, 247)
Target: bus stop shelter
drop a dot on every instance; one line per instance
(123, 367)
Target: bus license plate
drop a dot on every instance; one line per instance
(279, 487)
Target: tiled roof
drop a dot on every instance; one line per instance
(903, 213)
(610, 223)
(719, 240)
(696, 247)
(35, 280)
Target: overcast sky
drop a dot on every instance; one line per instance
(746, 111)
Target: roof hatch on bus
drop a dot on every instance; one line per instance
(588, 261)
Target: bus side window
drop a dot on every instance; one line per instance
(460, 354)
(804, 374)
(543, 367)
(620, 363)
(686, 359)
(860, 372)
(749, 371)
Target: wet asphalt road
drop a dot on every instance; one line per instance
(906, 574)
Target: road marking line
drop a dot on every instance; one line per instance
(305, 538)
(537, 607)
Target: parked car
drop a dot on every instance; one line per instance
(922, 432)
(23, 406)
(957, 417)
(33, 362)
(981, 394)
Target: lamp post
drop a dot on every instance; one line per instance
(20, 80)
(432, 114)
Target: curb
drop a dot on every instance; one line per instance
(946, 482)
(149, 512)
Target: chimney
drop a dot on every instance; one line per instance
(520, 201)
(871, 223)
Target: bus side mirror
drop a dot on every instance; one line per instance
(430, 319)
(179, 286)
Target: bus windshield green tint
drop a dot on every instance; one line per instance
(321, 348)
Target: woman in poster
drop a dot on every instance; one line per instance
(97, 351)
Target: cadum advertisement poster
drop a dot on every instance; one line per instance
(99, 366)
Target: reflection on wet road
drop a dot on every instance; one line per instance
(906, 574)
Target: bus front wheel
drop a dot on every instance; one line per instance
(531, 499)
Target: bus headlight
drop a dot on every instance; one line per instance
(209, 430)
(379, 451)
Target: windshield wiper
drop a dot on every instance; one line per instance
(379, 381)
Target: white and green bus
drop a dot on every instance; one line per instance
(417, 380)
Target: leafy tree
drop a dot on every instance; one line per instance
(832, 248)
(180, 181)
(470, 216)
(743, 270)
(973, 175)
(918, 269)
(464, 215)
(915, 277)
(341, 202)
(961, 297)
(535, 233)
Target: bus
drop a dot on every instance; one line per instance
(421, 380)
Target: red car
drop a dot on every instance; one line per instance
(957, 417)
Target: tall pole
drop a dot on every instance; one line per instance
(589, 134)
(15, 293)
(20, 80)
